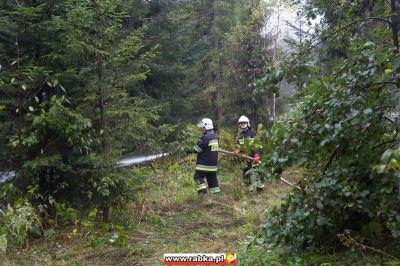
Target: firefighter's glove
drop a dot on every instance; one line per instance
(256, 158)
(237, 151)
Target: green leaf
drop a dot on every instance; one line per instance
(385, 158)
(388, 71)
(92, 213)
(396, 154)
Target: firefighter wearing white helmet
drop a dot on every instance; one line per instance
(246, 132)
(207, 158)
(248, 135)
(243, 122)
(205, 123)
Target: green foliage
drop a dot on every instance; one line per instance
(68, 69)
(84, 82)
(210, 51)
(114, 235)
(259, 254)
(226, 139)
(390, 161)
(16, 223)
(338, 132)
(3, 243)
(269, 83)
(247, 69)
(186, 138)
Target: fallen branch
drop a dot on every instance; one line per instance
(351, 242)
(288, 183)
(236, 154)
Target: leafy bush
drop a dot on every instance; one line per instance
(16, 223)
(338, 133)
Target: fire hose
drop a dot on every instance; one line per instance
(250, 158)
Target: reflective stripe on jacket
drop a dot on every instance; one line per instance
(207, 157)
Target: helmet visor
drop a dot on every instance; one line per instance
(242, 124)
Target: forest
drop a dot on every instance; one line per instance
(85, 84)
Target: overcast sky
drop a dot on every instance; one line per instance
(286, 14)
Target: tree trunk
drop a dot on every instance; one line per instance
(274, 106)
(217, 71)
(395, 31)
(220, 109)
(106, 214)
(20, 122)
(102, 127)
(275, 59)
(101, 103)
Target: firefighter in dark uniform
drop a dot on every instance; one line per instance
(207, 158)
(249, 135)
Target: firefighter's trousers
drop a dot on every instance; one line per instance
(212, 182)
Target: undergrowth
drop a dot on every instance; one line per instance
(167, 216)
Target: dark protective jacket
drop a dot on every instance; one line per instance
(207, 157)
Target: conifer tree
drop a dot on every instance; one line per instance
(66, 113)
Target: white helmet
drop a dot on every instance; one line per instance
(244, 119)
(205, 123)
